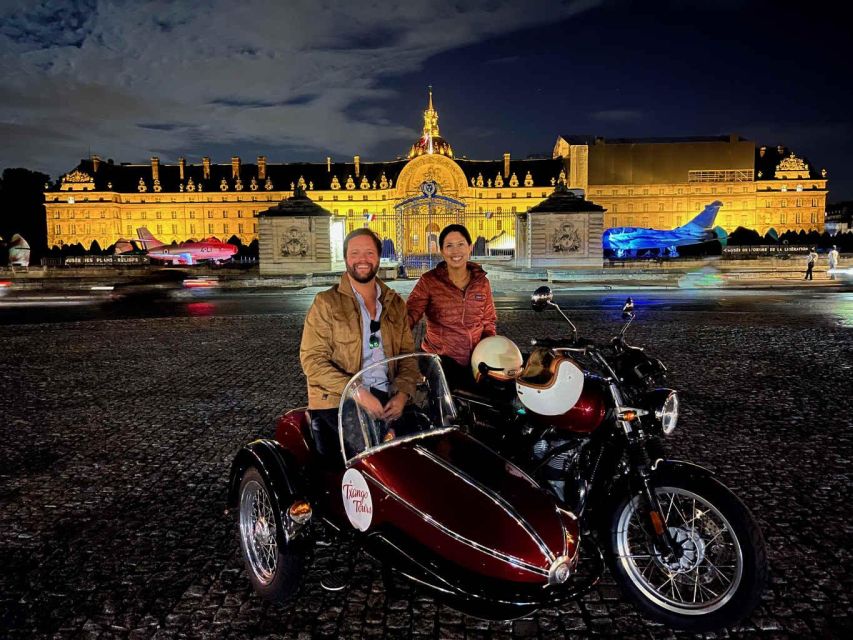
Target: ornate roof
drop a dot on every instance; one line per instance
(565, 201)
(299, 204)
(431, 141)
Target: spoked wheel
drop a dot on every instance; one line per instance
(274, 565)
(716, 576)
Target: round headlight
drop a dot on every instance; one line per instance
(668, 413)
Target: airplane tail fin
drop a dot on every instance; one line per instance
(147, 239)
(705, 219)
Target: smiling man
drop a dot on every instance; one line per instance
(358, 322)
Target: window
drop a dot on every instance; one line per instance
(174, 215)
(174, 229)
(159, 215)
(56, 215)
(192, 229)
(210, 214)
(224, 214)
(210, 228)
(57, 229)
(240, 227)
(498, 195)
(129, 229)
(500, 225)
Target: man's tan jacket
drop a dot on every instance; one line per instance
(331, 342)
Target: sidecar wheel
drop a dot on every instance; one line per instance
(275, 566)
(722, 569)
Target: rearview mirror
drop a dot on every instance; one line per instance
(541, 298)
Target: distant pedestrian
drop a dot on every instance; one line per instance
(832, 258)
(811, 259)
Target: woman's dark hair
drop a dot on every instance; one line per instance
(363, 231)
(458, 228)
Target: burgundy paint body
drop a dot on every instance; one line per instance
(585, 417)
(451, 479)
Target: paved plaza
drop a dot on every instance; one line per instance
(117, 436)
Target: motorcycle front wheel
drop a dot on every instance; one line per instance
(720, 569)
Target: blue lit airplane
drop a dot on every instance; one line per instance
(628, 241)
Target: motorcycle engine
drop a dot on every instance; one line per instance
(559, 467)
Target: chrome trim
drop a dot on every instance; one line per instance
(452, 589)
(504, 557)
(520, 472)
(494, 497)
(396, 441)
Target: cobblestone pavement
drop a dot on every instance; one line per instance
(117, 436)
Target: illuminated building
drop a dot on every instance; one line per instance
(659, 184)
(662, 183)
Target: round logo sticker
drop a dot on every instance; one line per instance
(357, 501)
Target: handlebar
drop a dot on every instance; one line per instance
(562, 343)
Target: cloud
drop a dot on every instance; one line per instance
(617, 115)
(128, 79)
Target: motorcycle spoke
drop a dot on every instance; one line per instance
(722, 575)
(718, 534)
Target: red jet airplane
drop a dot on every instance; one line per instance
(185, 253)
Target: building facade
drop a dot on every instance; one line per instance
(663, 183)
(657, 184)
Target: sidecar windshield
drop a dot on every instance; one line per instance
(362, 429)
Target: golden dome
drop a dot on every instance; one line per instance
(431, 142)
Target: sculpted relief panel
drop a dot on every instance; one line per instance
(566, 236)
(294, 240)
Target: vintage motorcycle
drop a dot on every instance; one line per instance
(587, 421)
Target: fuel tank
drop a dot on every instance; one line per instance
(467, 505)
(585, 416)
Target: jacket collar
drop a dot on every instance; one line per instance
(476, 270)
(345, 287)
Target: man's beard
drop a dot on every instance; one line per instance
(365, 278)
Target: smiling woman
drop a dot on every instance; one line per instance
(456, 299)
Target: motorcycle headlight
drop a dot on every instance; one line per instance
(667, 414)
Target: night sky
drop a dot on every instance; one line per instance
(297, 81)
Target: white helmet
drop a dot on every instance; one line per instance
(550, 384)
(500, 355)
